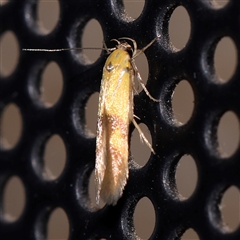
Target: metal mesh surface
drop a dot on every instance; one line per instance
(156, 180)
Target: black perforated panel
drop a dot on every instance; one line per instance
(156, 179)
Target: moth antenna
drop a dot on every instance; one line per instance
(56, 49)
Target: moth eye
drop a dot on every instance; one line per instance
(109, 67)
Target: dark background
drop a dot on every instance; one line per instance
(183, 103)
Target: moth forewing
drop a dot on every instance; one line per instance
(114, 116)
(100, 164)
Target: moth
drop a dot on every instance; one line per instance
(115, 113)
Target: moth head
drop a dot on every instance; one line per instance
(125, 46)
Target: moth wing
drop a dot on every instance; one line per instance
(118, 115)
(114, 115)
(100, 164)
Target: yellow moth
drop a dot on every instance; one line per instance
(115, 113)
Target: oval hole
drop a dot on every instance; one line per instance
(3, 2)
(9, 53)
(144, 218)
(54, 157)
(183, 102)
(51, 84)
(10, 126)
(48, 13)
(92, 38)
(92, 113)
(133, 8)
(179, 28)
(225, 59)
(13, 199)
(230, 206)
(139, 149)
(190, 234)
(218, 3)
(58, 225)
(143, 68)
(186, 176)
(228, 134)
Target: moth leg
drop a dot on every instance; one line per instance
(140, 51)
(141, 81)
(136, 117)
(142, 136)
(135, 90)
